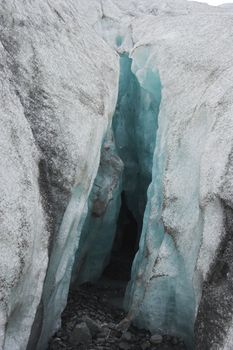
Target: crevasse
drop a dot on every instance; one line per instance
(99, 228)
(160, 295)
(134, 129)
(134, 126)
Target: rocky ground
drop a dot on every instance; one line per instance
(90, 322)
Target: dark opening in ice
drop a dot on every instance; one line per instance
(125, 245)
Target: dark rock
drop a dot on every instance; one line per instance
(81, 335)
(111, 325)
(167, 337)
(92, 325)
(124, 325)
(100, 340)
(174, 341)
(127, 336)
(124, 346)
(145, 345)
(83, 306)
(156, 339)
(105, 331)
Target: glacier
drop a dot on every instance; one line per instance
(100, 99)
(135, 126)
(125, 167)
(97, 235)
(54, 119)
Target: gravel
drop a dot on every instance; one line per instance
(91, 318)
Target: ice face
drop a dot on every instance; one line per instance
(134, 126)
(154, 295)
(185, 235)
(57, 106)
(99, 230)
(134, 131)
(160, 294)
(59, 99)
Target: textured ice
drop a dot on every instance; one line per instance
(134, 131)
(24, 243)
(134, 126)
(99, 229)
(57, 101)
(172, 128)
(184, 258)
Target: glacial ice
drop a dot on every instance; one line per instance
(172, 128)
(56, 106)
(99, 229)
(185, 238)
(134, 132)
(166, 287)
(134, 126)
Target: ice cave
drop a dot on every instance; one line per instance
(116, 175)
(119, 192)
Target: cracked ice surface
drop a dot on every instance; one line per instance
(185, 237)
(134, 126)
(59, 88)
(100, 225)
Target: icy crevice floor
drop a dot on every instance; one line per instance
(102, 303)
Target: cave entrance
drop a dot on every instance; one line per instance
(113, 220)
(111, 231)
(125, 245)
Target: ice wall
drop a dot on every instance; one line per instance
(59, 87)
(160, 295)
(184, 250)
(184, 227)
(59, 84)
(23, 226)
(134, 132)
(99, 229)
(134, 126)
